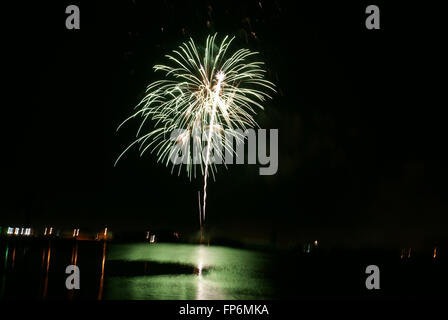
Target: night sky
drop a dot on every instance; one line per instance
(361, 122)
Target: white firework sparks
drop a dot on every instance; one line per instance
(204, 94)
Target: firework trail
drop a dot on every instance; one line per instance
(205, 96)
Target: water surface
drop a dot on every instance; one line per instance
(192, 272)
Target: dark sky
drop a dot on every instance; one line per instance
(362, 133)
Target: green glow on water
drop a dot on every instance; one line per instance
(232, 273)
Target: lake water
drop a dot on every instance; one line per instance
(35, 269)
(193, 272)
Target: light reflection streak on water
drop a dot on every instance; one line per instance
(13, 257)
(200, 264)
(73, 261)
(100, 291)
(44, 294)
(206, 289)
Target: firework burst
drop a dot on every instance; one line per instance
(205, 96)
